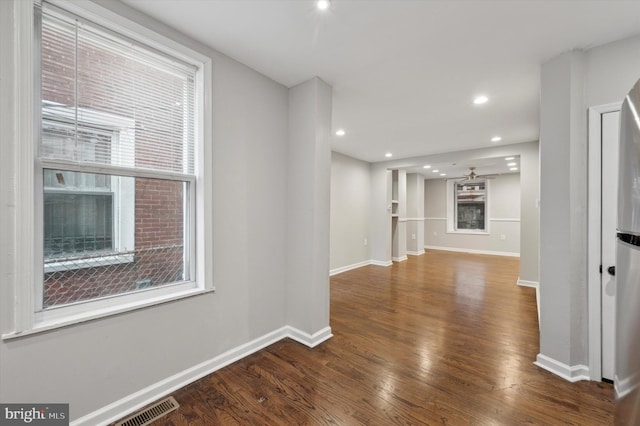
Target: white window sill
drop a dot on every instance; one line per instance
(86, 311)
(95, 262)
(469, 232)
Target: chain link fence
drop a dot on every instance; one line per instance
(95, 275)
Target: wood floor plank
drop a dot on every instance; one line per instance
(441, 339)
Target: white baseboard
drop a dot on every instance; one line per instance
(415, 253)
(525, 283)
(399, 259)
(342, 269)
(146, 396)
(381, 262)
(625, 386)
(473, 251)
(573, 373)
(310, 340)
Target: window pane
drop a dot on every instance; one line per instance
(470, 205)
(77, 223)
(107, 243)
(91, 77)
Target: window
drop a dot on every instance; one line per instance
(84, 212)
(120, 166)
(470, 206)
(467, 210)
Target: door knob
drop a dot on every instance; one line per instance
(611, 270)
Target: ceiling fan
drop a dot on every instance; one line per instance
(473, 177)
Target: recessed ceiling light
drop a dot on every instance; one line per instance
(479, 100)
(323, 4)
(427, 166)
(496, 139)
(443, 174)
(435, 171)
(340, 132)
(509, 158)
(513, 169)
(512, 164)
(388, 154)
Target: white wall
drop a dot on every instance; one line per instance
(571, 83)
(504, 218)
(308, 198)
(380, 215)
(350, 208)
(530, 214)
(93, 364)
(399, 237)
(415, 214)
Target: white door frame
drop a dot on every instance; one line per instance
(594, 208)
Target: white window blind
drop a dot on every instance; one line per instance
(88, 74)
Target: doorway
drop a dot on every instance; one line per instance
(602, 181)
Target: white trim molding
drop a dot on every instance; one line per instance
(625, 386)
(143, 397)
(573, 373)
(415, 219)
(415, 253)
(341, 269)
(399, 259)
(310, 340)
(473, 251)
(526, 283)
(505, 219)
(381, 262)
(594, 234)
(435, 218)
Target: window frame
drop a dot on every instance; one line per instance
(28, 268)
(452, 209)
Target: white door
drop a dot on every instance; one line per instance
(610, 143)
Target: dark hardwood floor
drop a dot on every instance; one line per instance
(443, 338)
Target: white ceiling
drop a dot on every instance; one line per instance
(404, 73)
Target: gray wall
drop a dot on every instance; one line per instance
(530, 214)
(350, 204)
(415, 214)
(571, 83)
(308, 197)
(95, 363)
(504, 218)
(380, 214)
